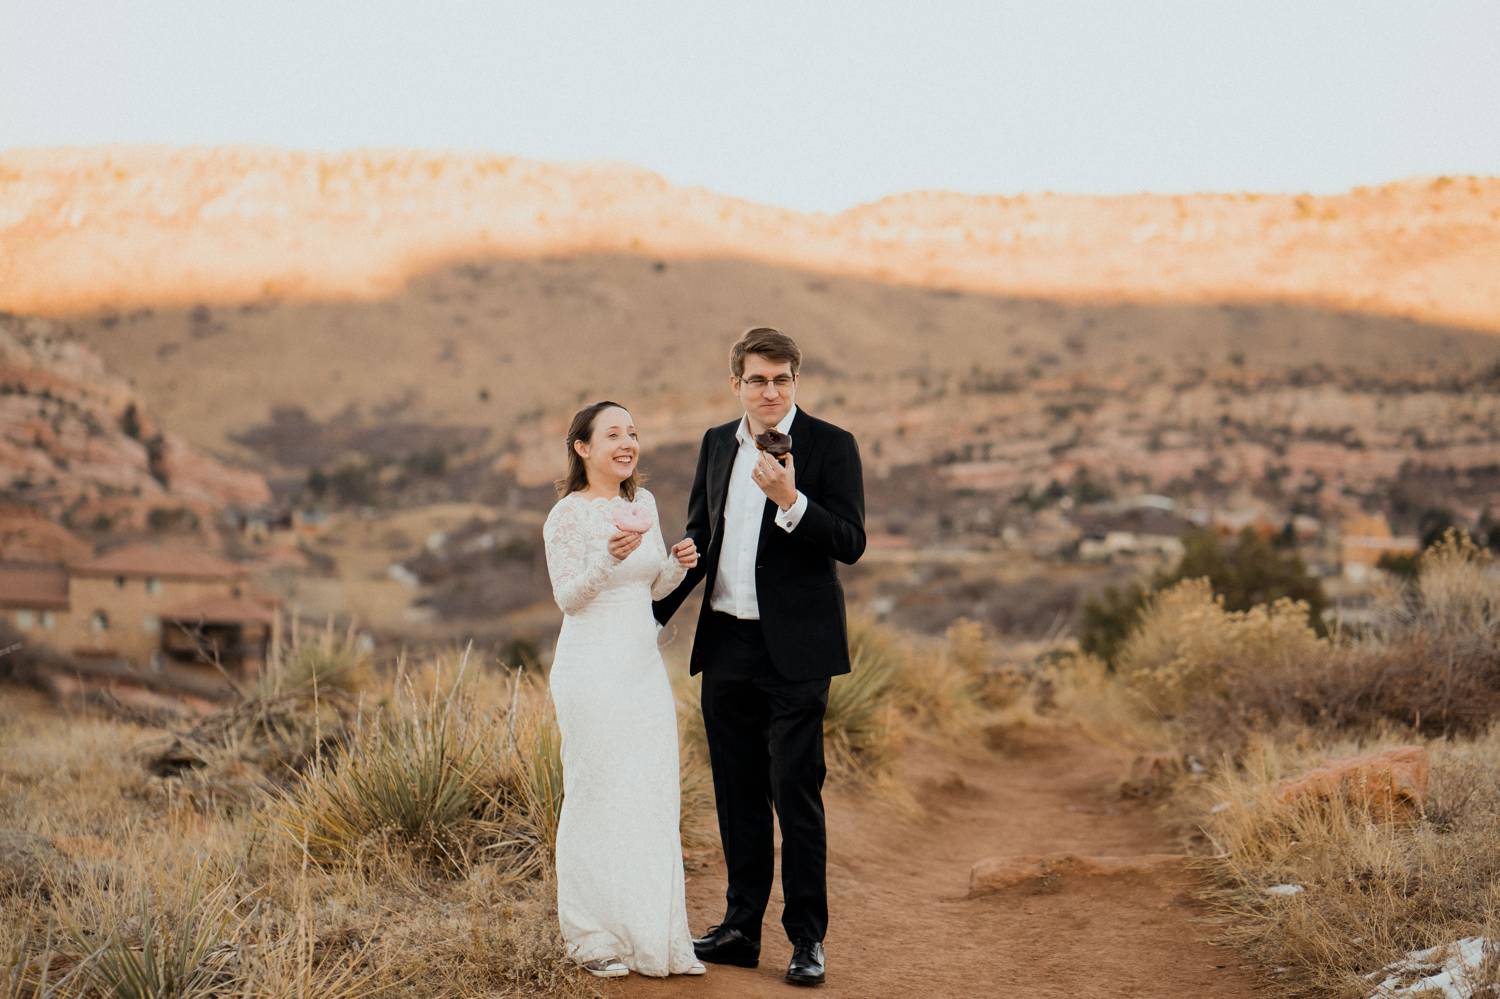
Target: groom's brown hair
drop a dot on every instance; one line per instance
(769, 343)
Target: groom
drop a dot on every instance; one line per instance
(771, 634)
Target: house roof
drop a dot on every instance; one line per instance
(26, 535)
(33, 584)
(222, 609)
(148, 558)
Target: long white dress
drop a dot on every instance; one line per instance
(620, 886)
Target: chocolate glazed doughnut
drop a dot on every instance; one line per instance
(775, 443)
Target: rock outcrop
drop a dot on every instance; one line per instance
(81, 447)
(1392, 784)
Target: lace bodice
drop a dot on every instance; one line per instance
(577, 533)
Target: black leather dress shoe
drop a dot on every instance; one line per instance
(807, 963)
(725, 945)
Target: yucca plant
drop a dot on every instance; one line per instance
(160, 954)
(407, 775)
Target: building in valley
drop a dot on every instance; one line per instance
(159, 608)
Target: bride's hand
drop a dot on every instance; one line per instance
(686, 553)
(623, 543)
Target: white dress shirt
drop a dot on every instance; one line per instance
(734, 587)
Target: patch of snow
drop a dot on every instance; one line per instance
(1283, 889)
(1444, 970)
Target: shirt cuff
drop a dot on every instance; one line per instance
(788, 519)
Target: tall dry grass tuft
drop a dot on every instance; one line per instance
(445, 770)
(859, 727)
(522, 782)
(1082, 689)
(899, 688)
(329, 662)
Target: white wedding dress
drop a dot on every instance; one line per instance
(620, 889)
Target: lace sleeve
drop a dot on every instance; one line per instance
(578, 558)
(670, 572)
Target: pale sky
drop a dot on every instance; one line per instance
(813, 105)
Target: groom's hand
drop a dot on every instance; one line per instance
(777, 481)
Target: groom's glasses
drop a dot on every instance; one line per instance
(756, 383)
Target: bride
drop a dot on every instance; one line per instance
(620, 894)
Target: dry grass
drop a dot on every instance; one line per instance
(1372, 891)
(368, 835)
(1258, 697)
(338, 832)
(899, 688)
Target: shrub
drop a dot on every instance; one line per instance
(1108, 619)
(1431, 659)
(1248, 572)
(1189, 647)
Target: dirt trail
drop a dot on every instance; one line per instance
(902, 926)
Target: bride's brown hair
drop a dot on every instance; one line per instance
(582, 429)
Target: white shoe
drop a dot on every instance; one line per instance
(697, 968)
(606, 967)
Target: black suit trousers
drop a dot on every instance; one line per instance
(765, 744)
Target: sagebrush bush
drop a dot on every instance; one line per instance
(1431, 659)
(1187, 647)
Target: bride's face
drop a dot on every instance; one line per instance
(613, 449)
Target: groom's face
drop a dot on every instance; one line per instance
(766, 390)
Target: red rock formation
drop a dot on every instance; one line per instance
(1391, 784)
(77, 443)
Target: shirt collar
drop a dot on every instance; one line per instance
(742, 433)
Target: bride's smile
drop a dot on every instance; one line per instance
(613, 450)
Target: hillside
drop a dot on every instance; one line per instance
(410, 331)
(252, 294)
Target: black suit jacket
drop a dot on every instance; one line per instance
(796, 584)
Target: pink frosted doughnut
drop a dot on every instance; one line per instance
(632, 517)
